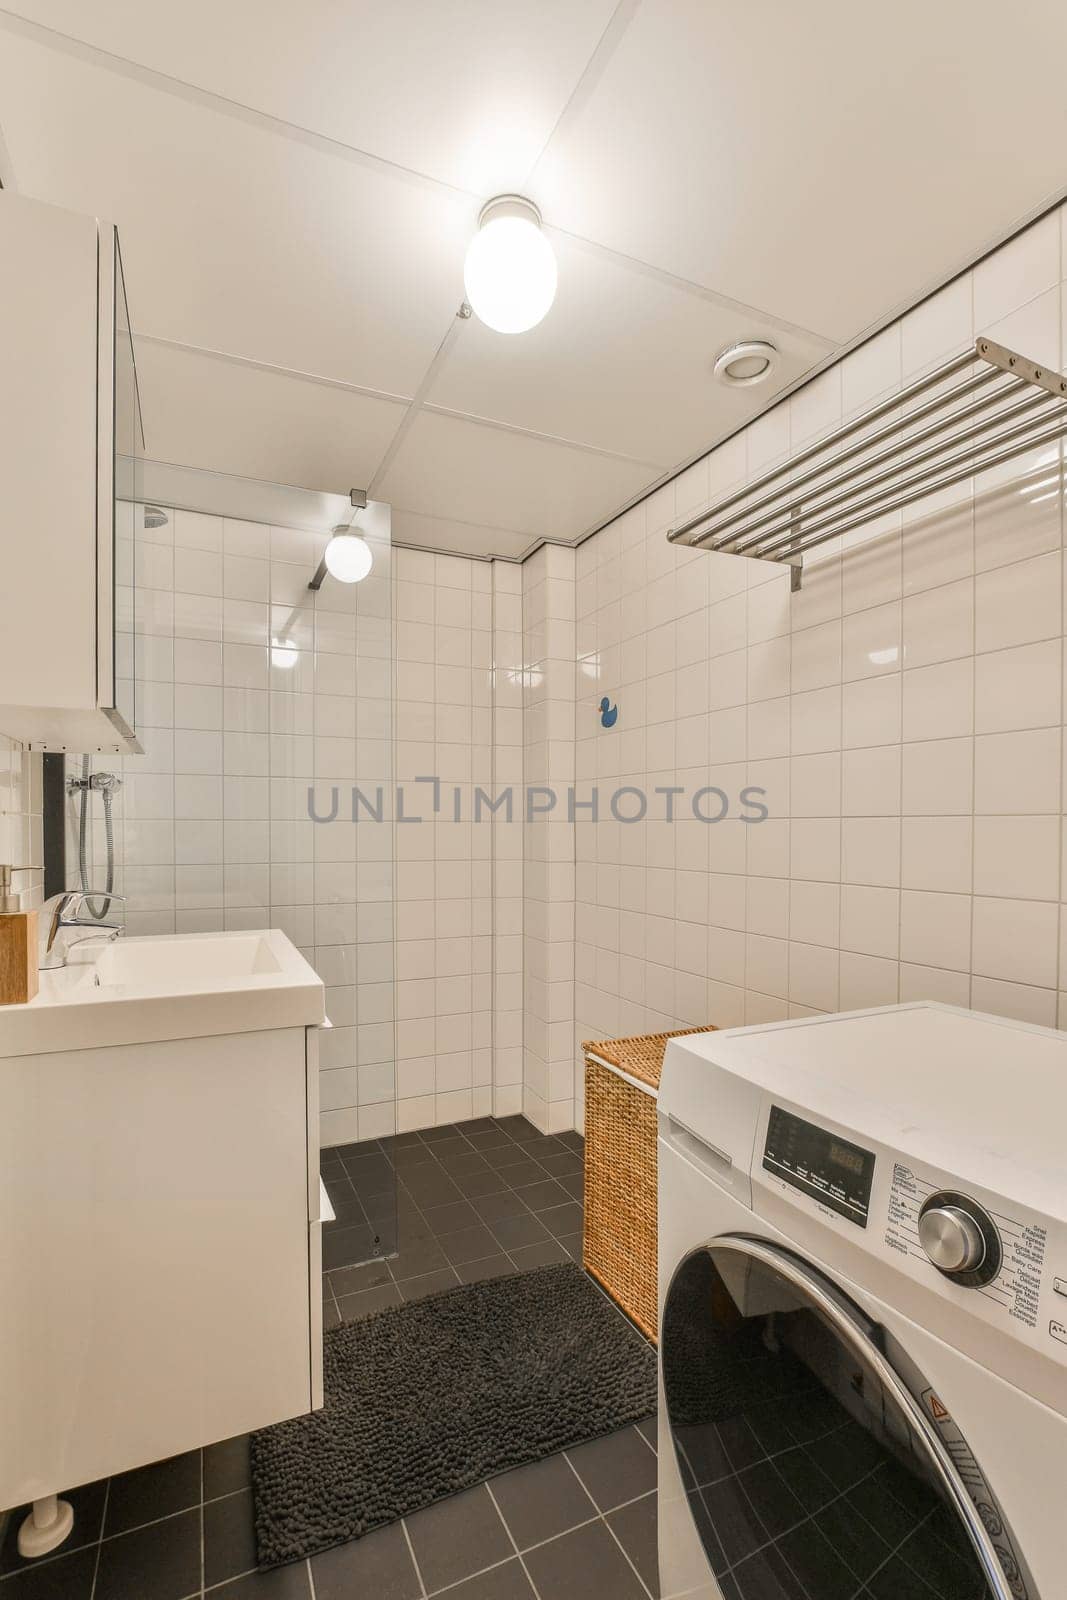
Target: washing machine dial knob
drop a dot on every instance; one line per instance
(952, 1238)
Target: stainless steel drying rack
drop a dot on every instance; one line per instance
(1005, 406)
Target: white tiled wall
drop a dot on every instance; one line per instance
(904, 713)
(548, 597)
(250, 689)
(508, 688)
(444, 907)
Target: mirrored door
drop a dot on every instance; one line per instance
(810, 1469)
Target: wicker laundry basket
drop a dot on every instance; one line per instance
(619, 1245)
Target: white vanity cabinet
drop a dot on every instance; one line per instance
(160, 1253)
(70, 449)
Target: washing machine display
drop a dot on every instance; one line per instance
(809, 1465)
(820, 1163)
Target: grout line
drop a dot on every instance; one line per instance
(311, 1579)
(100, 1541)
(626, 1555)
(203, 1538)
(514, 1542)
(414, 1558)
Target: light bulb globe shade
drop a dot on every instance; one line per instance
(510, 271)
(348, 558)
(283, 654)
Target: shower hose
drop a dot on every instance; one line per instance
(103, 899)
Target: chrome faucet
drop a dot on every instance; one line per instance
(62, 926)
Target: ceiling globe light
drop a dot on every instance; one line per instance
(348, 556)
(283, 654)
(741, 365)
(510, 270)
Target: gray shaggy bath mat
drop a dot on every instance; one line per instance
(426, 1399)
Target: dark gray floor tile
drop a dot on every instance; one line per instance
(469, 1244)
(87, 1503)
(561, 1220)
(149, 1493)
(502, 1156)
(573, 1244)
(370, 1174)
(565, 1165)
(506, 1582)
(400, 1141)
(342, 1152)
(416, 1257)
(573, 1141)
(489, 1267)
(585, 1562)
(414, 1157)
(229, 1537)
(615, 1469)
(523, 1173)
(542, 1194)
(284, 1583)
(458, 1537)
(477, 1125)
(503, 1203)
(635, 1527)
(450, 1218)
(429, 1283)
(431, 1136)
(574, 1185)
(545, 1254)
(354, 1306)
(346, 1243)
(350, 1280)
(474, 1184)
(546, 1144)
(488, 1139)
(649, 1431)
(513, 1232)
(226, 1467)
(331, 1317)
(430, 1187)
(539, 1501)
(378, 1566)
(461, 1162)
(65, 1577)
(446, 1150)
(161, 1561)
(521, 1130)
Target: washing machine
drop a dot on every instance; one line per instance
(863, 1291)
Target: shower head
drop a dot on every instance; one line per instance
(154, 517)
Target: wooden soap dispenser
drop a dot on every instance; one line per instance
(18, 946)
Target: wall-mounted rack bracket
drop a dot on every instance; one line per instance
(976, 411)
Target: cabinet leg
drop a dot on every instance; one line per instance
(46, 1526)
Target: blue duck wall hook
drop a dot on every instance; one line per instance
(609, 714)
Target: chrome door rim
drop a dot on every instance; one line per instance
(845, 1318)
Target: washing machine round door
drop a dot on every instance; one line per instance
(810, 1467)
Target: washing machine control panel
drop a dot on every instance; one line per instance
(819, 1163)
(1006, 1263)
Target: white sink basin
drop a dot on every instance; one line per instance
(180, 964)
(172, 986)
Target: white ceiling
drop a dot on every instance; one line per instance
(295, 186)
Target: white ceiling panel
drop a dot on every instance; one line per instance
(203, 412)
(823, 161)
(467, 93)
(468, 538)
(238, 239)
(465, 472)
(622, 362)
